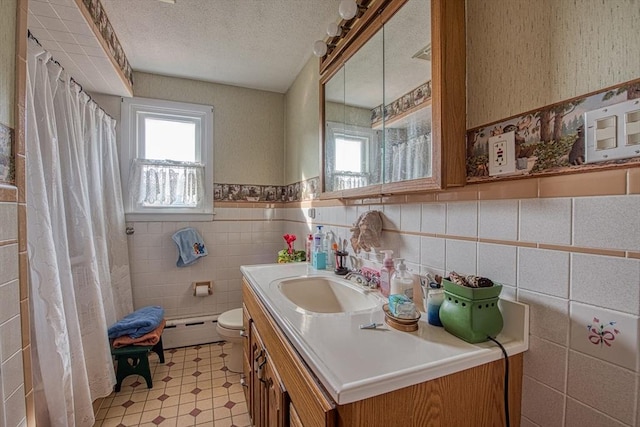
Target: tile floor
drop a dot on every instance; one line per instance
(192, 388)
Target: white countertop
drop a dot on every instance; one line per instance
(353, 363)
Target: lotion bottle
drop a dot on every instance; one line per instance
(386, 272)
(401, 280)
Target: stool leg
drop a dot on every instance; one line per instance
(145, 371)
(159, 350)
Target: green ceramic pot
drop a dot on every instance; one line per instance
(471, 314)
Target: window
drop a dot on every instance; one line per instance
(167, 160)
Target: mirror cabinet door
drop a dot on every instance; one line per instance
(334, 112)
(407, 93)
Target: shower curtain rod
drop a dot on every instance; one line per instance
(52, 59)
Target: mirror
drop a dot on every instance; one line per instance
(353, 153)
(377, 114)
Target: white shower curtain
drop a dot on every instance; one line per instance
(78, 256)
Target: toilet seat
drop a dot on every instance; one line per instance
(231, 319)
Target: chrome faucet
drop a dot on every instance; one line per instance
(362, 280)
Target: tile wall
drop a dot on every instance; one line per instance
(574, 260)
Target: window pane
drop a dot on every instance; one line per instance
(170, 140)
(350, 157)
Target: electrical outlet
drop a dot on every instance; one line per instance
(613, 132)
(502, 154)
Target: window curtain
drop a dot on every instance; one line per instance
(167, 183)
(77, 248)
(411, 159)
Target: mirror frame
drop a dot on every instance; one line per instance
(448, 99)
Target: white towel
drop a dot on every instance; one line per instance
(190, 246)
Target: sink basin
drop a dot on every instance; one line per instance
(326, 295)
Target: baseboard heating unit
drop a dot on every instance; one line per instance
(190, 331)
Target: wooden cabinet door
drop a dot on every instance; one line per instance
(277, 415)
(246, 356)
(258, 361)
(294, 418)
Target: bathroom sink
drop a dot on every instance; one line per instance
(326, 295)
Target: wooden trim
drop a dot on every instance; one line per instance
(581, 250)
(311, 402)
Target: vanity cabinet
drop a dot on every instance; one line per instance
(471, 397)
(392, 100)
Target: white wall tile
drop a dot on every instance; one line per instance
(432, 252)
(497, 262)
(434, 218)
(609, 335)
(545, 221)
(606, 281)
(460, 256)
(541, 404)
(603, 386)
(391, 217)
(544, 271)
(462, 219)
(10, 338)
(580, 415)
(498, 219)
(607, 222)
(15, 408)
(546, 362)
(8, 221)
(8, 263)
(12, 374)
(410, 217)
(548, 316)
(9, 300)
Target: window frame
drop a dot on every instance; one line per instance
(133, 112)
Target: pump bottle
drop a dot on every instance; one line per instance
(386, 272)
(401, 281)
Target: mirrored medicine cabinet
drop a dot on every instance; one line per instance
(392, 94)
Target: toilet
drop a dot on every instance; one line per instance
(229, 327)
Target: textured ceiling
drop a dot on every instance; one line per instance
(260, 44)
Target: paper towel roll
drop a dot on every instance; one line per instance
(202, 289)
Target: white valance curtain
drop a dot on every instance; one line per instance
(78, 256)
(167, 183)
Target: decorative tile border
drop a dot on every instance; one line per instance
(7, 166)
(99, 16)
(406, 103)
(549, 140)
(296, 192)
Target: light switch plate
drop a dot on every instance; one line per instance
(613, 132)
(502, 154)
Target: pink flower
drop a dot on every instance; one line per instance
(290, 238)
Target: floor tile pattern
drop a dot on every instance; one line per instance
(192, 388)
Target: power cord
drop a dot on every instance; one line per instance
(506, 380)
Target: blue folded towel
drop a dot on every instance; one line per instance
(190, 246)
(138, 323)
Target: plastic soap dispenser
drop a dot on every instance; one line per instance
(402, 281)
(318, 256)
(386, 272)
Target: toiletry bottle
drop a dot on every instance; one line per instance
(386, 272)
(318, 256)
(435, 297)
(401, 280)
(308, 246)
(327, 245)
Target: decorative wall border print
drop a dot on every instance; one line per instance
(549, 140)
(296, 192)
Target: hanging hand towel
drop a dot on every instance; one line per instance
(190, 246)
